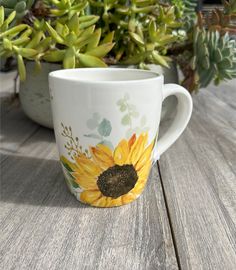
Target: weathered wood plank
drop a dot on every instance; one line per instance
(226, 93)
(44, 227)
(199, 178)
(16, 128)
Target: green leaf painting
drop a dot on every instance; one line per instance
(74, 184)
(104, 128)
(101, 129)
(68, 176)
(93, 122)
(66, 166)
(93, 135)
(126, 120)
(123, 107)
(130, 116)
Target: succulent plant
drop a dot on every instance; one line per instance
(80, 44)
(209, 53)
(189, 13)
(15, 41)
(143, 30)
(21, 7)
(65, 31)
(89, 33)
(214, 57)
(186, 10)
(69, 37)
(67, 8)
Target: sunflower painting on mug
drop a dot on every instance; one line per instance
(104, 177)
(115, 117)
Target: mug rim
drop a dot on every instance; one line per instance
(58, 74)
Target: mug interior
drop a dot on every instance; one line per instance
(104, 75)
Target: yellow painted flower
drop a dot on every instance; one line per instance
(114, 178)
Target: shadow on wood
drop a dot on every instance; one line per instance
(44, 227)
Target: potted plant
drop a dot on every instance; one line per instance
(148, 34)
(71, 39)
(209, 53)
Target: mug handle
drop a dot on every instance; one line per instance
(184, 111)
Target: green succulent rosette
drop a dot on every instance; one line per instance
(214, 57)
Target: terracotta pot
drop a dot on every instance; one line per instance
(34, 93)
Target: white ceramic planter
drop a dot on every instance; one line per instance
(34, 93)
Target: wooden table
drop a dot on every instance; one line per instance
(185, 219)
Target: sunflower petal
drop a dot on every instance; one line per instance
(138, 148)
(87, 167)
(113, 202)
(101, 202)
(105, 149)
(127, 198)
(132, 140)
(121, 153)
(89, 196)
(139, 187)
(102, 156)
(144, 171)
(67, 163)
(87, 183)
(146, 156)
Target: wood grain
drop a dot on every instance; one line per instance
(16, 128)
(199, 178)
(44, 227)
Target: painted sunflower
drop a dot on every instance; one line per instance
(114, 178)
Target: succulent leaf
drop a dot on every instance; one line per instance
(27, 32)
(21, 67)
(7, 44)
(101, 50)
(21, 41)
(8, 20)
(70, 39)
(215, 57)
(108, 38)
(20, 7)
(1, 15)
(90, 61)
(152, 28)
(27, 52)
(54, 56)
(35, 40)
(69, 59)
(54, 34)
(73, 24)
(14, 30)
(43, 45)
(87, 21)
(137, 39)
(159, 60)
(95, 39)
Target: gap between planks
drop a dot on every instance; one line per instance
(169, 217)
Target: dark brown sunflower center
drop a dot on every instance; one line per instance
(117, 180)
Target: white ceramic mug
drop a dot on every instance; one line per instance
(106, 123)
